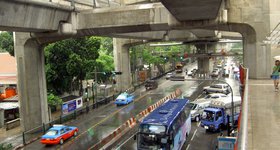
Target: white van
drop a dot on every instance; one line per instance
(197, 108)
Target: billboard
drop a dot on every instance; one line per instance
(226, 143)
(72, 105)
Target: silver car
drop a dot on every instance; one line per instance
(197, 108)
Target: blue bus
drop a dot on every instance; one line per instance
(166, 128)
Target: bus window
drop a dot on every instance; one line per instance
(147, 128)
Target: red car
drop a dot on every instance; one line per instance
(58, 134)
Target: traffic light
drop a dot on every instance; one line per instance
(118, 72)
(86, 91)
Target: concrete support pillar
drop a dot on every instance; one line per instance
(122, 63)
(32, 90)
(202, 63)
(2, 118)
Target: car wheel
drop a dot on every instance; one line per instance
(75, 133)
(61, 141)
(219, 128)
(197, 118)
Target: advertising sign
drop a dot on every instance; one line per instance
(226, 143)
(72, 105)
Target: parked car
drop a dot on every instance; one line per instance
(197, 108)
(214, 74)
(58, 134)
(217, 88)
(213, 96)
(151, 84)
(124, 98)
(168, 75)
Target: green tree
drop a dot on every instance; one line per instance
(54, 100)
(69, 61)
(7, 42)
(6, 146)
(107, 46)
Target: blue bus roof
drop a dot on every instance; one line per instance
(166, 113)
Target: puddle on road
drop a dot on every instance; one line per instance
(102, 116)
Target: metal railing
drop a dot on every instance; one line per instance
(34, 134)
(243, 130)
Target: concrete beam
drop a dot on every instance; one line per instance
(134, 18)
(173, 35)
(32, 16)
(193, 9)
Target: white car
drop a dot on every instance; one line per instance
(217, 88)
(214, 74)
(169, 75)
(213, 96)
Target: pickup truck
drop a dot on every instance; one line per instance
(217, 88)
(214, 117)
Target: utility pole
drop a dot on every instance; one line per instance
(95, 78)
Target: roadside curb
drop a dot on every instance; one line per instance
(28, 142)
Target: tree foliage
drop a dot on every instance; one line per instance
(6, 146)
(54, 100)
(69, 61)
(7, 42)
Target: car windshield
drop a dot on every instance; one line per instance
(216, 86)
(207, 97)
(208, 115)
(192, 106)
(51, 132)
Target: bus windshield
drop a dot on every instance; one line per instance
(152, 141)
(152, 136)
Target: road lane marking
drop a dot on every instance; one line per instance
(199, 124)
(188, 147)
(194, 134)
(126, 141)
(101, 121)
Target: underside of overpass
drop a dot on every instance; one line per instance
(186, 21)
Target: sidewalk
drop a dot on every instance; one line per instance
(264, 116)
(16, 133)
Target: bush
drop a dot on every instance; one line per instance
(54, 100)
(6, 146)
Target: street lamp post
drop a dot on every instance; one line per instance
(87, 92)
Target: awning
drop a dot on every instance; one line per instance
(9, 105)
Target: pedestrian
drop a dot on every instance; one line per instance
(275, 75)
